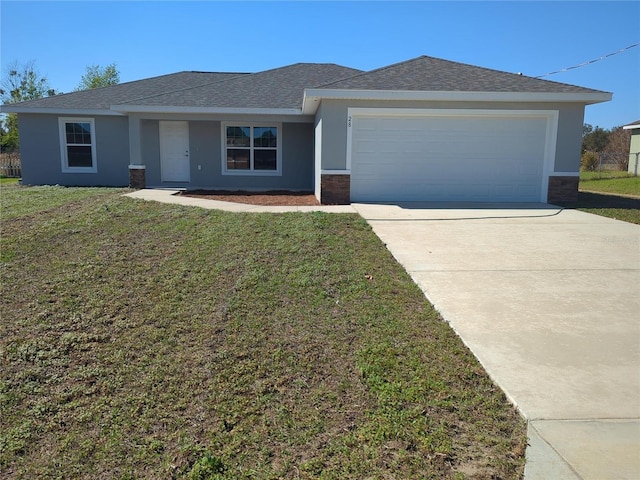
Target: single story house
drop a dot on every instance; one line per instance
(634, 147)
(424, 129)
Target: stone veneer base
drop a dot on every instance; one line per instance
(137, 177)
(563, 189)
(335, 189)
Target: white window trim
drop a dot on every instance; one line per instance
(62, 121)
(254, 173)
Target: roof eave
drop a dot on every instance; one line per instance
(312, 96)
(57, 111)
(125, 109)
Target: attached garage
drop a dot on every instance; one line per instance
(435, 130)
(425, 129)
(450, 155)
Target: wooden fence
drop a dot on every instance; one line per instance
(10, 165)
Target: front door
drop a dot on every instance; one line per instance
(174, 151)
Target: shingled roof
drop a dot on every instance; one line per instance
(435, 74)
(297, 88)
(104, 97)
(277, 88)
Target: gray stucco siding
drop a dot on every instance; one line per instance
(634, 152)
(334, 126)
(40, 152)
(205, 152)
(150, 146)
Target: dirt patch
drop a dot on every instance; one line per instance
(270, 198)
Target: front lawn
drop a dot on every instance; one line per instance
(144, 340)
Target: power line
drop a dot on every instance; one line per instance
(590, 61)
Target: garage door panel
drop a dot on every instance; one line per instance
(450, 158)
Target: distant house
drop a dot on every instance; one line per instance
(424, 129)
(634, 147)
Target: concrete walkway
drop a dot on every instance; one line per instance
(169, 196)
(549, 302)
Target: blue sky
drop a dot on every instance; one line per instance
(149, 38)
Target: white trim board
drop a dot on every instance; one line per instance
(204, 110)
(60, 111)
(312, 95)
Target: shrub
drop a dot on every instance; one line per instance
(589, 161)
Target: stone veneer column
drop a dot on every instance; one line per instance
(335, 189)
(137, 177)
(563, 189)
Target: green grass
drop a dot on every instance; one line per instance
(609, 205)
(604, 174)
(623, 185)
(144, 340)
(17, 201)
(615, 197)
(8, 181)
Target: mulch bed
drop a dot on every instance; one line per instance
(270, 198)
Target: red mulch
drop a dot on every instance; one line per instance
(271, 198)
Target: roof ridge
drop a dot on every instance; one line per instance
(104, 87)
(236, 75)
(367, 72)
(218, 73)
(451, 62)
(121, 84)
(499, 71)
(239, 75)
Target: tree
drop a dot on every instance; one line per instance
(617, 147)
(619, 141)
(24, 82)
(604, 147)
(20, 84)
(9, 139)
(98, 76)
(594, 139)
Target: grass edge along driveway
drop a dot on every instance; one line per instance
(615, 197)
(143, 340)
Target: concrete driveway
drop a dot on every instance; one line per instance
(549, 302)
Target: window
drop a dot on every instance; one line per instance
(251, 149)
(77, 145)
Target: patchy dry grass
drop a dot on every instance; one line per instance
(142, 340)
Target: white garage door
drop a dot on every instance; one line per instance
(479, 157)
